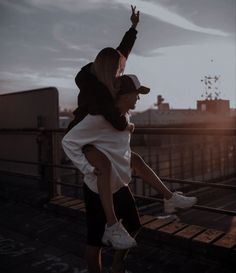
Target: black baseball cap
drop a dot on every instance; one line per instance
(130, 83)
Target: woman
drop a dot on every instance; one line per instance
(97, 80)
(99, 86)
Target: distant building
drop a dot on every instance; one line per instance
(65, 117)
(162, 105)
(213, 112)
(217, 106)
(64, 121)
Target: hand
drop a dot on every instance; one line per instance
(131, 127)
(134, 18)
(97, 172)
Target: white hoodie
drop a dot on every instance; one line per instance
(95, 130)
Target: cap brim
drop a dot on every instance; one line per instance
(143, 90)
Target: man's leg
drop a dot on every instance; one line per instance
(126, 210)
(95, 221)
(93, 259)
(118, 262)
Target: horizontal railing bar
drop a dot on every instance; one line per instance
(39, 164)
(20, 161)
(143, 130)
(199, 207)
(186, 131)
(199, 183)
(68, 185)
(216, 210)
(28, 176)
(170, 180)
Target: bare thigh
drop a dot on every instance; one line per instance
(96, 158)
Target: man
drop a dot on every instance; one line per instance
(111, 155)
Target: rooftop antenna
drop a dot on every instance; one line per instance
(211, 87)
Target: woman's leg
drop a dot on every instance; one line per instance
(148, 175)
(114, 234)
(171, 200)
(103, 165)
(93, 259)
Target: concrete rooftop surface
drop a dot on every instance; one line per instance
(39, 239)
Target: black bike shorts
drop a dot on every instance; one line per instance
(125, 209)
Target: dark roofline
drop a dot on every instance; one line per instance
(31, 90)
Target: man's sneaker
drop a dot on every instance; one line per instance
(178, 201)
(117, 236)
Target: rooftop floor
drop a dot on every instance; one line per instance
(35, 239)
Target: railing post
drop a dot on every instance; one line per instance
(55, 159)
(49, 153)
(192, 163)
(223, 160)
(45, 183)
(170, 162)
(219, 159)
(157, 164)
(202, 162)
(41, 169)
(234, 155)
(227, 151)
(182, 163)
(211, 162)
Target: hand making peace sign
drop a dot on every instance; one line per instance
(134, 18)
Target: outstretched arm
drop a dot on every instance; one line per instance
(129, 38)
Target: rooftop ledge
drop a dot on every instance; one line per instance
(181, 236)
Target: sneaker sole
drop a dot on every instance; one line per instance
(118, 247)
(178, 208)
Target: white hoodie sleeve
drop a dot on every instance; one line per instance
(73, 143)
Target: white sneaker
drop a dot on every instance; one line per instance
(117, 236)
(178, 201)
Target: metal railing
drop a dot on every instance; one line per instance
(183, 158)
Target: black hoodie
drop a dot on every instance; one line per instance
(94, 98)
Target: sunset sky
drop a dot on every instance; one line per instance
(46, 42)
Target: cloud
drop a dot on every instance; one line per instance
(73, 6)
(165, 15)
(16, 6)
(49, 48)
(59, 37)
(36, 47)
(29, 78)
(73, 60)
(61, 32)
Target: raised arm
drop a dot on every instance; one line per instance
(129, 38)
(90, 87)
